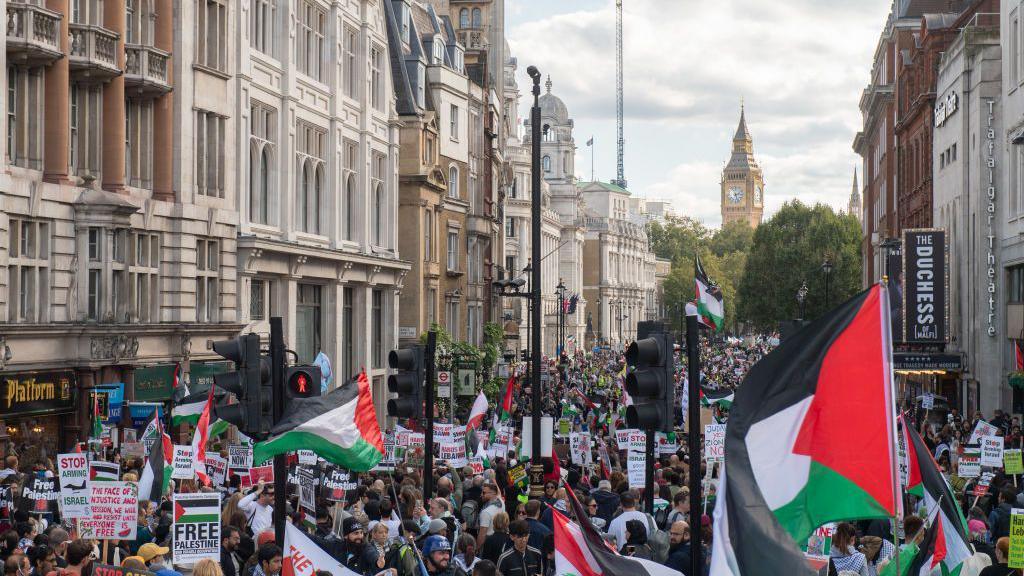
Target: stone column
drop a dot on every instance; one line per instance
(56, 107)
(113, 103)
(163, 109)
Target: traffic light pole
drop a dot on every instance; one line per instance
(536, 467)
(693, 437)
(428, 417)
(649, 473)
(280, 462)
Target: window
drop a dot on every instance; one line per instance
(453, 251)
(1014, 47)
(348, 358)
(547, 163)
(451, 317)
(139, 22)
(510, 227)
(308, 313)
(428, 149)
(143, 276)
(428, 235)
(209, 151)
(472, 324)
(87, 11)
(351, 70)
(207, 275)
(377, 327)
(510, 267)
(438, 51)
(85, 128)
(453, 123)
(431, 306)
(464, 18)
(311, 27)
(376, 79)
(28, 270)
(138, 143)
(453, 181)
(260, 299)
(1016, 288)
(310, 151)
(349, 203)
(263, 25)
(24, 117)
(262, 154)
(212, 34)
(477, 22)
(379, 200)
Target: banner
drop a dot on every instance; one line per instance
(216, 469)
(39, 496)
(714, 443)
(113, 511)
(108, 570)
(454, 453)
(636, 468)
(982, 428)
(969, 464)
(1015, 558)
(73, 473)
(302, 557)
(992, 451)
(239, 457)
(183, 469)
(924, 286)
(196, 529)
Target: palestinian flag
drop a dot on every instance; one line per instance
(341, 427)
(710, 302)
(97, 418)
(926, 481)
(580, 550)
(180, 387)
(193, 510)
(302, 556)
(722, 398)
(156, 475)
(189, 409)
(793, 461)
(477, 413)
(100, 471)
(506, 407)
(200, 436)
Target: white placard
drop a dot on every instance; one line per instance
(307, 457)
(240, 457)
(969, 464)
(196, 529)
(73, 472)
(992, 451)
(113, 511)
(714, 442)
(454, 453)
(982, 428)
(217, 469)
(636, 463)
(928, 401)
(183, 469)
(547, 435)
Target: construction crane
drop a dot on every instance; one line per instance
(620, 179)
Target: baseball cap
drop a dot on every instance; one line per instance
(436, 544)
(148, 551)
(436, 525)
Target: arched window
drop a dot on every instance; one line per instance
(350, 199)
(464, 18)
(453, 181)
(261, 158)
(317, 198)
(547, 163)
(476, 18)
(378, 214)
(302, 197)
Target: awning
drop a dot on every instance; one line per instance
(927, 362)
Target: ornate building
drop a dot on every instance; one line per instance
(742, 182)
(853, 207)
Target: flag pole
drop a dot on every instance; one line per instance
(891, 400)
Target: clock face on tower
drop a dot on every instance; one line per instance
(735, 195)
(757, 194)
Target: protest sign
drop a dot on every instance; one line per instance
(564, 426)
(303, 557)
(239, 457)
(113, 511)
(928, 401)
(73, 472)
(183, 469)
(969, 464)
(402, 436)
(579, 448)
(336, 482)
(477, 464)
(637, 441)
(307, 488)
(517, 474)
(667, 444)
(992, 451)
(454, 453)
(622, 438)
(307, 457)
(265, 473)
(196, 527)
(108, 570)
(443, 432)
(100, 471)
(982, 428)
(714, 443)
(1012, 463)
(133, 450)
(1015, 558)
(39, 496)
(636, 468)
(216, 469)
(984, 482)
(901, 459)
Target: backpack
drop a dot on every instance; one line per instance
(470, 513)
(661, 517)
(657, 539)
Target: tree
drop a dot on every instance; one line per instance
(736, 236)
(788, 250)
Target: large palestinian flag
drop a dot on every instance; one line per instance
(926, 481)
(710, 301)
(580, 550)
(302, 557)
(189, 410)
(341, 427)
(156, 474)
(192, 510)
(809, 441)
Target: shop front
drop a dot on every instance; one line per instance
(34, 413)
(935, 373)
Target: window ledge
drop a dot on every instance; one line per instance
(310, 238)
(454, 273)
(211, 71)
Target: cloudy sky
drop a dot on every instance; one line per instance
(799, 65)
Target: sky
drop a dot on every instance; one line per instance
(799, 67)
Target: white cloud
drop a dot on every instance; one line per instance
(800, 65)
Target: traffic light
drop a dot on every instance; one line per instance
(251, 384)
(301, 382)
(651, 383)
(407, 382)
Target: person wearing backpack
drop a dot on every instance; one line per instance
(617, 528)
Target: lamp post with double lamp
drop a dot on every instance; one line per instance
(536, 467)
(801, 297)
(826, 267)
(560, 291)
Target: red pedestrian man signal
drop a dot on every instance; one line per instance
(301, 384)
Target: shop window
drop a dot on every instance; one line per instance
(28, 270)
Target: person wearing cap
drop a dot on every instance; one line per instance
(352, 552)
(258, 507)
(437, 555)
(154, 557)
(521, 559)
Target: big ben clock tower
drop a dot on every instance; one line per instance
(742, 182)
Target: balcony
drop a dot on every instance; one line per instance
(93, 52)
(32, 34)
(145, 70)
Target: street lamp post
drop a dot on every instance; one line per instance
(536, 467)
(826, 267)
(560, 290)
(801, 297)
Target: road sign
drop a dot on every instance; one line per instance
(444, 378)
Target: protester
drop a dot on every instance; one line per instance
(258, 506)
(154, 556)
(1000, 568)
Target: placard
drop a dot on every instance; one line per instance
(239, 457)
(636, 468)
(108, 570)
(307, 457)
(477, 464)
(969, 463)
(196, 529)
(113, 511)
(216, 469)
(336, 482)
(183, 469)
(1015, 557)
(265, 473)
(443, 432)
(100, 471)
(984, 482)
(714, 443)
(579, 448)
(928, 401)
(467, 382)
(982, 428)
(667, 444)
(1012, 463)
(39, 496)
(133, 449)
(454, 453)
(73, 473)
(992, 451)
(307, 488)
